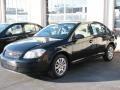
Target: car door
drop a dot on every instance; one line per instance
(31, 29)
(13, 33)
(82, 48)
(100, 36)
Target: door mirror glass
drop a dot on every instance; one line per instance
(79, 36)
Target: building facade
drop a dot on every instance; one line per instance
(51, 11)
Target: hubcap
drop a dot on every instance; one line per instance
(110, 53)
(60, 66)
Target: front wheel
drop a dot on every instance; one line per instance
(59, 66)
(109, 53)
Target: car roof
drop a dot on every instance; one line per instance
(21, 23)
(82, 22)
(89, 22)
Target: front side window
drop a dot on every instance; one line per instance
(14, 30)
(83, 30)
(59, 31)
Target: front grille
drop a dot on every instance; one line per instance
(12, 54)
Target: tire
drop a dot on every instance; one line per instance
(59, 66)
(109, 53)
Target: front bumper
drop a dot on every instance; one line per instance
(23, 66)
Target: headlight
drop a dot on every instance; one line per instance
(12, 54)
(34, 54)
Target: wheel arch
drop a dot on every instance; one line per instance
(63, 53)
(111, 43)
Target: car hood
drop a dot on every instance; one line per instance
(29, 43)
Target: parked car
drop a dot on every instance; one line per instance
(57, 46)
(16, 31)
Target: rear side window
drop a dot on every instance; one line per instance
(108, 31)
(97, 29)
(37, 28)
(31, 28)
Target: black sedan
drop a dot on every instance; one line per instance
(16, 31)
(56, 46)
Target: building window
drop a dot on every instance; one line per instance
(66, 10)
(17, 10)
(85, 9)
(117, 14)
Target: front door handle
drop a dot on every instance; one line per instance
(12, 38)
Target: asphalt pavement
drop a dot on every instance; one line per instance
(93, 74)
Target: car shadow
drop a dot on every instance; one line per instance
(92, 70)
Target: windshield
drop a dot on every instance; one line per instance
(2, 27)
(58, 31)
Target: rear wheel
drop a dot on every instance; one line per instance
(59, 66)
(109, 53)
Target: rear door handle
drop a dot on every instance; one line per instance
(90, 41)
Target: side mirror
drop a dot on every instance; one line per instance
(78, 36)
